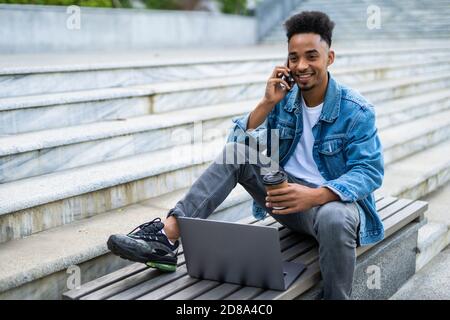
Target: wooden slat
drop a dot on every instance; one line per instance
(194, 290)
(245, 293)
(124, 289)
(220, 292)
(388, 211)
(132, 280)
(169, 288)
(117, 276)
(104, 281)
(394, 208)
(384, 202)
(224, 289)
(399, 220)
(166, 291)
(392, 224)
(307, 257)
(306, 280)
(129, 271)
(297, 245)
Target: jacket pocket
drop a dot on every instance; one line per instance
(331, 147)
(285, 137)
(332, 154)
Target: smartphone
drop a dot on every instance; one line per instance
(290, 80)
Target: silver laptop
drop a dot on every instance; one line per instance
(237, 253)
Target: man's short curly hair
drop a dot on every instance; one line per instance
(310, 22)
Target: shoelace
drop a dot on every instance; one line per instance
(147, 228)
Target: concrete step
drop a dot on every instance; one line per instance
(397, 88)
(32, 113)
(48, 151)
(47, 111)
(359, 23)
(404, 140)
(107, 185)
(359, 30)
(397, 111)
(33, 75)
(434, 236)
(37, 153)
(35, 267)
(432, 239)
(63, 197)
(419, 174)
(429, 283)
(425, 176)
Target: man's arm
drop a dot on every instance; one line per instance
(364, 159)
(273, 95)
(259, 114)
(297, 198)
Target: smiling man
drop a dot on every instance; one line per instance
(328, 146)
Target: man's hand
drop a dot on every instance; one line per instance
(296, 198)
(274, 92)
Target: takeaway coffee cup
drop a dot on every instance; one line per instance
(275, 180)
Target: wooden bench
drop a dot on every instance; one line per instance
(137, 281)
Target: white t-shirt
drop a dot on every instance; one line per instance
(301, 163)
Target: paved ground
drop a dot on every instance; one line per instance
(430, 283)
(439, 205)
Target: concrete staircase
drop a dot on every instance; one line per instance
(91, 149)
(402, 20)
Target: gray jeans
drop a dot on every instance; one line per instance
(334, 225)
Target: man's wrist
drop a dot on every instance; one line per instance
(324, 195)
(266, 104)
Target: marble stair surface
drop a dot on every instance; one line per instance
(72, 146)
(398, 19)
(108, 183)
(426, 176)
(114, 152)
(34, 262)
(36, 112)
(56, 75)
(435, 235)
(418, 174)
(35, 267)
(85, 239)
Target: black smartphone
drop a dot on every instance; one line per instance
(290, 80)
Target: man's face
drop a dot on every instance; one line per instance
(309, 58)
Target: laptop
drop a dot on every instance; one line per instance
(243, 254)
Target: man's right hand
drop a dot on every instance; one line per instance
(274, 94)
(274, 91)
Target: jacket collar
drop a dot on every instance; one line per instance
(332, 103)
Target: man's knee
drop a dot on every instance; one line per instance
(238, 153)
(336, 221)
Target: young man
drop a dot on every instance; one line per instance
(328, 146)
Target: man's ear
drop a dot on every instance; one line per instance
(330, 57)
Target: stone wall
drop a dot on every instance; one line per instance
(44, 29)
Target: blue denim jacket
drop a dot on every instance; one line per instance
(347, 149)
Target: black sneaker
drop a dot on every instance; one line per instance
(147, 245)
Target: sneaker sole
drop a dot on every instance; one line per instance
(127, 250)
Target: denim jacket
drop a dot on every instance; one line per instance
(347, 149)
